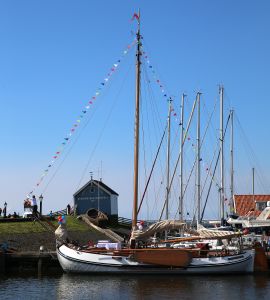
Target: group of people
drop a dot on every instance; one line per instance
(4, 211)
(31, 203)
(12, 216)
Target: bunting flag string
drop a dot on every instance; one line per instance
(157, 80)
(81, 116)
(165, 95)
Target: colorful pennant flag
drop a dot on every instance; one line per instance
(78, 121)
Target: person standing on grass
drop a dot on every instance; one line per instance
(68, 209)
(34, 205)
(5, 212)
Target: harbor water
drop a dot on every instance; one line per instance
(68, 286)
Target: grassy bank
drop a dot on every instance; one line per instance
(29, 236)
(73, 224)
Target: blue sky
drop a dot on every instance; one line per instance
(54, 54)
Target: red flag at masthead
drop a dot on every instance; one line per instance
(135, 16)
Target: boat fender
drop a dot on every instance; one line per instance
(131, 257)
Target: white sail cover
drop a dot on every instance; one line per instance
(157, 227)
(216, 234)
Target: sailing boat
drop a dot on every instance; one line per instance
(154, 259)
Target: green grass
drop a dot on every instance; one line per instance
(73, 224)
(29, 227)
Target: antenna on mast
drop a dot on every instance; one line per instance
(100, 179)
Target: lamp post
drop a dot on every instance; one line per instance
(5, 209)
(40, 205)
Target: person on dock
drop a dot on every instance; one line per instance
(34, 205)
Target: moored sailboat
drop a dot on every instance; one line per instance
(152, 258)
(158, 260)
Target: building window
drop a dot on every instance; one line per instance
(260, 205)
(92, 190)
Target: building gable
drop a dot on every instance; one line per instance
(95, 194)
(98, 184)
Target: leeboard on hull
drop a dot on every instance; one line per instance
(75, 261)
(160, 256)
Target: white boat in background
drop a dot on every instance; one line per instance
(152, 259)
(252, 222)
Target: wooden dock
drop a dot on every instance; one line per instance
(39, 263)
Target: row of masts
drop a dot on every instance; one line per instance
(182, 140)
(198, 158)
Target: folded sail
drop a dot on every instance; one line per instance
(157, 227)
(216, 234)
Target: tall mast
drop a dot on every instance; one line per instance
(221, 92)
(181, 215)
(168, 157)
(253, 188)
(198, 159)
(137, 126)
(232, 207)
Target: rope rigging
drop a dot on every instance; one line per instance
(224, 134)
(252, 158)
(152, 169)
(76, 125)
(101, 132)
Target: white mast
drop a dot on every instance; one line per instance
(168, 157)
(198, 160)
(168, 163)
(253, 188)
(181, 215)
(221, 92)
(232, 207)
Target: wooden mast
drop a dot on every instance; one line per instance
(137, 126)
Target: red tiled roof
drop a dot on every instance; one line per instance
(246, 204)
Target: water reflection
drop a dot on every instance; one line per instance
(163, 287)
(68, 286)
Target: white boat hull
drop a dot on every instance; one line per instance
(75, 261)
